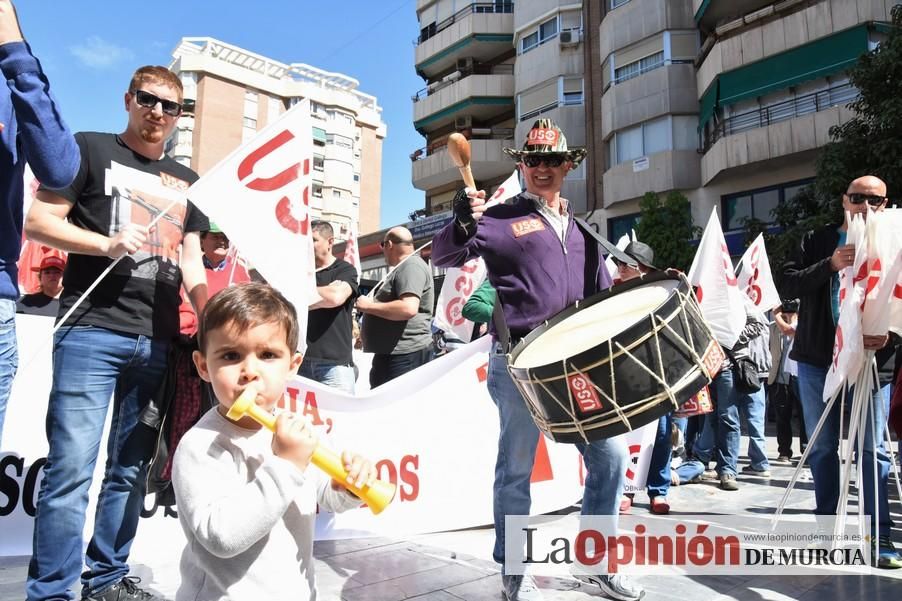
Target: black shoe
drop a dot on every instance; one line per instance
(124, 590)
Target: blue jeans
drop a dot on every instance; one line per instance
(703, 449)
(659, 468)
(731, 405)
(824, 452)
(605, 459)
(329, 373)
(9, 356)
(689, 470)
(90, 366)
(388, 367)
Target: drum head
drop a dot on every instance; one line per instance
(585, 329)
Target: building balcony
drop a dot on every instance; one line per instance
(480, 31)
(668, 88)
(640, 19)
(481, 97)
(658, 172)
(434, 168)
(798, 125)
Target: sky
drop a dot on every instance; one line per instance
(89, 49)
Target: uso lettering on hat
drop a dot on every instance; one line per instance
(542, 136)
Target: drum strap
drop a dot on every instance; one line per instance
(605, 244)
(501, 330)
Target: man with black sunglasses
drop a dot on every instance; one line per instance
(116, 344)
(539, 262)
(813, 277)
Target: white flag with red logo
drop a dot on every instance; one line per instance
(716, 286)
(461, 282)
(260, 197)
(884, 234)
(755, 277)
(848, 347)
(352, 252)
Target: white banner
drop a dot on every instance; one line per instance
(609, 263)
(260, 196)
(848, 347)
(461, 282)
(716, 287)
(755, 277)
(433, 431)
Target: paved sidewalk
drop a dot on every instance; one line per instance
(457, 565)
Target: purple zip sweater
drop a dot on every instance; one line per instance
(33, 132)
(536, 276)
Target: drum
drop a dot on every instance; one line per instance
(617, 360)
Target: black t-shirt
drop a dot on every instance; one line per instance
(329, 330)
(116, 186)
(38, 304)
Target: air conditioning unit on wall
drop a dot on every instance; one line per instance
(463, 122)
(571, 37)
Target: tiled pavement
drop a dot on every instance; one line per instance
(457, 565)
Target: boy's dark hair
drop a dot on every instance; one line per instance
(244, 306)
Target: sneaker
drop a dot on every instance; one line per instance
(709, 475)
(626, 502)
(750, 471)
(728, 482)
(887, 556)
(784, 460)
(520, 588)
(617, 586)
(124, 590)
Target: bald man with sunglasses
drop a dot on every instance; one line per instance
(813, 277)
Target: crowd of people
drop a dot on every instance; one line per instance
(117, 328)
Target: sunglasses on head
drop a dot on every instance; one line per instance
(871, 199)
(148, 100)
(550, 160)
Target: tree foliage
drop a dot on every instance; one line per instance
(868, 143)
(667, 227)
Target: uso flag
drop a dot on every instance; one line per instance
(716, 287)
(461, 282)
(755, 277)
(260, 197)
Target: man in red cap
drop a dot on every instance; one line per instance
(46, 300)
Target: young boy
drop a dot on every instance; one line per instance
(246, 497)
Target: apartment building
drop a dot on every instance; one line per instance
(465, 55)
(727, 102)
(231, 93)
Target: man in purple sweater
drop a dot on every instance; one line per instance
(33, 132)
(539, 262)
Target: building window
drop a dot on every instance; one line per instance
(339, 140)
(561, 91)
(756, 204)
(248, 122)
(317, 190)
(318, 162)
(637, 68)
(542, 34)
(356, 177)
(623, 225)
(573, 90)
(615, 3)
(657, 135)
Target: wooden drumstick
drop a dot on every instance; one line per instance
(459, 149)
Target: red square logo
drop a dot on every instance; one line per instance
(584, 393)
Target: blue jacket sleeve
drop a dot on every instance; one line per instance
(46, 141)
